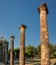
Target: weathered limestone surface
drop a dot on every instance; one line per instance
(45, 60)
(22, 44)
(11, 50)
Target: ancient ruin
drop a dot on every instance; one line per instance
(11, 50)
(45, 58)
(22, 44)
(3, 50)
(43, 10)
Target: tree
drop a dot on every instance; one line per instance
(38, 51)
(29, 51)
(54, 51)
(8, 53)
(51, 50)
(17, 52)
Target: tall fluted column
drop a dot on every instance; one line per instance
(11, 50)
(22, 44)
(45, 60)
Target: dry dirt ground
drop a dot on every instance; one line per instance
(53, 62)
(15, 64)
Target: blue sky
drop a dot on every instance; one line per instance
(13, 13)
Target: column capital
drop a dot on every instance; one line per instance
(22, 26)
(43, 6)
(12, 37)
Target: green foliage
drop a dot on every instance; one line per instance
(51, 50)
(30, 51)
(54, 51)
(1, 47)
(17, 50)
(8, 53)
(39, 51)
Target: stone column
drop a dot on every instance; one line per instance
(6, 52)
(3, 60)
(22, 44)
(45, 60)
(11, 50)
